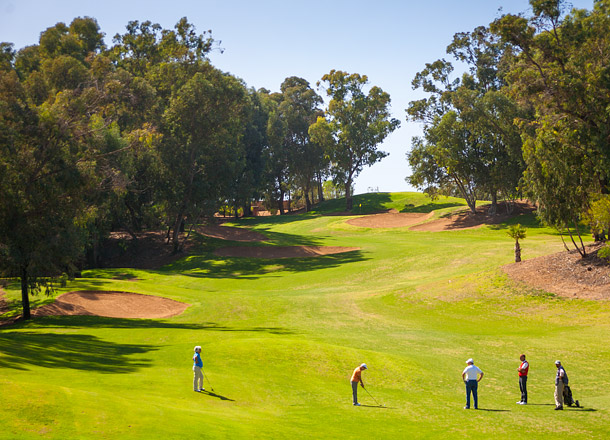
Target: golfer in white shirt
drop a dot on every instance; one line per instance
(471, 377)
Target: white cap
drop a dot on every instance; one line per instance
(557, 363)
(470, 361)
(364, 366)
(197, 347)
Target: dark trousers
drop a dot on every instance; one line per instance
(355, 392)
(472, 387)
(523, 388)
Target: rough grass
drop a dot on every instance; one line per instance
(281, 337)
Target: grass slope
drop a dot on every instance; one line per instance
(281, 337)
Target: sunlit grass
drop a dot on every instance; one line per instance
(281, 337)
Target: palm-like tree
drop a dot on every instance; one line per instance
(517, 232)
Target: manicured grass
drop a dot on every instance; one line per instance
(281, 337)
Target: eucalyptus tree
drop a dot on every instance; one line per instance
(48, 158)
(560, 67)
(354, 124)
(469, 144)
(299, 109)
(203, 127)
(248, 170)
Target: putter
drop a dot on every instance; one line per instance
(208, 379)
(373, 397)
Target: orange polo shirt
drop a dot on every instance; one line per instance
(356, 375)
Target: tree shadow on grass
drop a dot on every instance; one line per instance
(210, 266)
(429, 207)
(19, 350)
(80, 321)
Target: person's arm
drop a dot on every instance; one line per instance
(481, 376)
(464, 377)
(361, 383)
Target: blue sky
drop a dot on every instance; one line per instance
(267, 41)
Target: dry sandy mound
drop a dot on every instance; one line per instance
(112, 304)
(231, 233)
(391, 219)
(566, 274)
(281, 251)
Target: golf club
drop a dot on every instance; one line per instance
(373, 397)
(208, 379)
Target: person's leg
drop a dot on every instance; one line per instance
(559, 395)
(468, 389)
(354, 392)
(475, 395)
(524, 389)
(200, 378)
(197, 378)
(559, 399)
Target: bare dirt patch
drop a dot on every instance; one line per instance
(390, 219)
(231, 233)
(566, 274)
(112, 304)
(281, 251)
(467, 220)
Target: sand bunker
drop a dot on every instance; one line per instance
(112, 304)
(281, 251)
(392, 219)
(231, 233)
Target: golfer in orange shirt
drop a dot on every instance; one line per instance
(357, 377)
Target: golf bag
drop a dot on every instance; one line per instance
(567, 397)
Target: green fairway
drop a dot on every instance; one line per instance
(281, 338)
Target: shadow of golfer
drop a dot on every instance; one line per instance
(579, 409)
(212, 394)
(376, 406)
(493, 410)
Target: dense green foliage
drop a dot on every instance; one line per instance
(530, 117)
(355, 123)
(281, 337)
(143, 134)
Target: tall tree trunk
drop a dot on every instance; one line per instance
(582, 251)
(176, 233)
(348, 195)
(493, 210)
(320, 189)
(25, 298)
(247, 209)
(564, 242)
(582, 245)
(280, 203)
(308, 201)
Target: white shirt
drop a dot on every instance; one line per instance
(471, 372)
